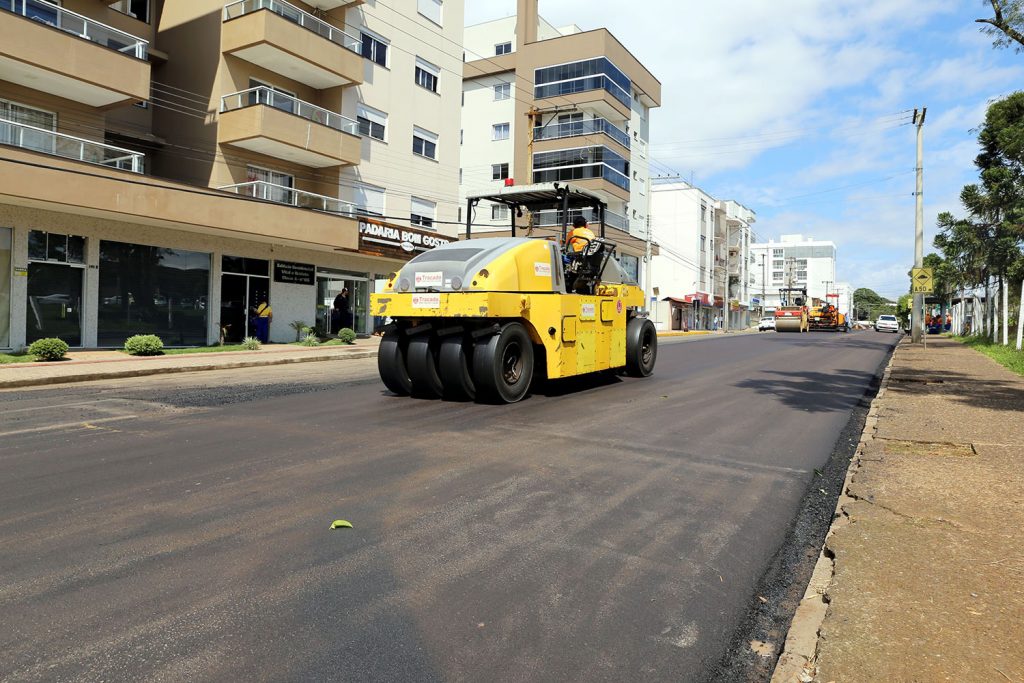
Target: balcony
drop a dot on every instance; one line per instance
(282, 38)
(280, 194)
(572, 129)
(69, 147)
(270, 122)
(54, 50)
(554, 217)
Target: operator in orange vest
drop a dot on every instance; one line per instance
(580, 236)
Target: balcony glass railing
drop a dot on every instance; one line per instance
(292, 105)
(261, 189)
(69, 147)
(75, 24)
(294, 14)
(577, 128)
(554, 217)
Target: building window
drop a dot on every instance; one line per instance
(375, 49)
(591, 74)
(56, 248)
(703, 243)
(502, 91)
(499, 131)
(138, 9)
(369, 199)
(372, 123)
(460, 176)
(424, 143)
(431, 9)
(426, 75)
(499, 171)
(503, 48)
(273, 186)
(777, 253)
(778, 264)
(423, 213)
(499, 212)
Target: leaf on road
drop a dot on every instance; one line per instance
(341, 524)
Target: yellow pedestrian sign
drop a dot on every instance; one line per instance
(921, 280)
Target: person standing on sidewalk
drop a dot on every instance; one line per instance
(264, 316)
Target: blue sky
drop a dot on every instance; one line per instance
(799, 109)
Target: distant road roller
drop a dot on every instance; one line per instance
(792, 315)
(480, 319)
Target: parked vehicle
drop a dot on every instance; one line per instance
(887, 323)
(766, 323)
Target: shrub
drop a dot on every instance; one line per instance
(347, 335)
(251, 344)
(144, 345)
(310, 340)
(300, 328)
(50, 348)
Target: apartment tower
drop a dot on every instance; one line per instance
(544, 104)
(169, 164)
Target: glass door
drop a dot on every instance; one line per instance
(359, 295)
(234, 307)
(54, 303)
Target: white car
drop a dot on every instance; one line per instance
(887, 323)
(766, 323)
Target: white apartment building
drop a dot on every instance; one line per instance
(735, 276)
(543, 103)
(689, 275)
(844, 298)
(794, 261)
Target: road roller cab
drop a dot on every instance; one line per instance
(481, 318)
(792, 315)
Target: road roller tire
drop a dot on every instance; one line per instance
(641, 347)
(503, 365)
(454, 364)
(421, 360)
(391, 363)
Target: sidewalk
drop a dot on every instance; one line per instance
(85, 366)
(921, 577)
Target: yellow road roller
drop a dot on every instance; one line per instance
(480, 319)
(792, 316)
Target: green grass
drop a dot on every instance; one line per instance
(16, 358)
(1007, 356)
(205, 349)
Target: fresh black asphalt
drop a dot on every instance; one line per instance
(604, 530)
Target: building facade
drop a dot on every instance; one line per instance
(794, 261)
(172, 164)
(549, 104)
(704, 258)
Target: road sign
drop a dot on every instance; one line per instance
(921, 280)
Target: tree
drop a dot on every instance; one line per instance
(869, 304)
(1007, 25)
(987, 242)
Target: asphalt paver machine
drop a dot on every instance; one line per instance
(482, 317)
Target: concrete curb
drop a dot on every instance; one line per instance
(142, 372)
(799, 654)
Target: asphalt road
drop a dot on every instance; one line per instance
(176, 527)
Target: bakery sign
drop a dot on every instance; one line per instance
(385, 239)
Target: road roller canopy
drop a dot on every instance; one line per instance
(540, 197)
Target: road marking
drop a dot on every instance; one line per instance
(82, 425)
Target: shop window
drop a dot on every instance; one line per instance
(152, 290)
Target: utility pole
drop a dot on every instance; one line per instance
(764, 282)
(918, 309)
